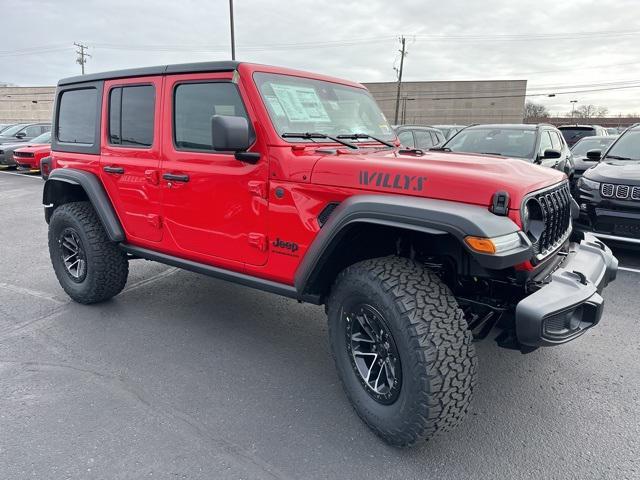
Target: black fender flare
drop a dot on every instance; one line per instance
(438, 217)
(95, 192)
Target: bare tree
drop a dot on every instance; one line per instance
(590, 111)
(535, 110)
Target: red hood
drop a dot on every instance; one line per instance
(447, 176)
(35, 148)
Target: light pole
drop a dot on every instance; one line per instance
(233, 38)
(573, 108)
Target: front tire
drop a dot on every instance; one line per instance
(90, 267)
(393, 319)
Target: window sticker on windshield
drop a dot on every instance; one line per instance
(225, 110)
(275, 105)
(300, 104)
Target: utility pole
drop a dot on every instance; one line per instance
(81, 55)
(403, 53)
(233, 37)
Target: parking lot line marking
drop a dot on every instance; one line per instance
(21, 175)
(33, 293)
(627, 269)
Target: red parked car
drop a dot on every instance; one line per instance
(295, 183)
(28, 158)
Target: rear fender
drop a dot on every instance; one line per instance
(66, 185)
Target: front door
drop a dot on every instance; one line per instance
(214, 206)
(130, 158)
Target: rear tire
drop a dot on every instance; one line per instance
(90, 267)
(415, 318)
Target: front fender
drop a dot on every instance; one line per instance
(431, 216)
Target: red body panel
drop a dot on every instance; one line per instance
(38, 152)
(245, 217)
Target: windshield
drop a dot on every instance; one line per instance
(12, 130)
(581, 148)
(300, 105)
(44, 138)
(498, 141)
(626, 148)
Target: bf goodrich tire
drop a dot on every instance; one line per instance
(89, 267)
(402, 349)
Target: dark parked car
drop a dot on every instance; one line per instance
(7, 149)
(573, 133)
(23, 132)
(580, 149)
(420, 137)
(541, 144)
(449, 130)
(609, 193)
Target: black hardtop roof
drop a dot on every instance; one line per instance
(222, 66)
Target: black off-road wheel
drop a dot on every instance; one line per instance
(402, 349)
(89, 267)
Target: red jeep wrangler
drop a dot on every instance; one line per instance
(294, 183)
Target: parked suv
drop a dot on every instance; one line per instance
(540, 144)
(420, 137)
(609, 193)
(573, 133)
(23, 132)
(295, 183)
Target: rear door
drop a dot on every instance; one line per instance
(130, 157)
(214, 206)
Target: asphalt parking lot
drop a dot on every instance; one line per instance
(186, 377)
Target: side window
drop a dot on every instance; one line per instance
(193, 106)
(77, 112)
(555, 141)
(423, 139)
(437, 137)
(545, 142)
(32, 131)
(45, 128)
(131, 115)
(406, 139)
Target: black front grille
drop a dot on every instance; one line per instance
(555, 204)
(23, 154)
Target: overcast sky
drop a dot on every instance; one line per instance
(555, 45)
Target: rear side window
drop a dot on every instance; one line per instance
(33, 131)
(423, 139)
(555, 140)
(131, 116)
(77, 116)
(194, 104)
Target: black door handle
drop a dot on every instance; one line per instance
(173, 177)
(113, 169)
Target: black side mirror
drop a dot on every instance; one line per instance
(21, 135)
(551, 154)
(231, 134)
(594, 155)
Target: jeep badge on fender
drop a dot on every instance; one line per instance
(403, 250)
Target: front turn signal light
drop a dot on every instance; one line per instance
(494, 245)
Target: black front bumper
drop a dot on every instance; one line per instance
(570, 303)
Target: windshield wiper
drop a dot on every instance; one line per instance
(311, 136)
(440, 149)
(356, 136)
(616, 157)
(492, 153)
